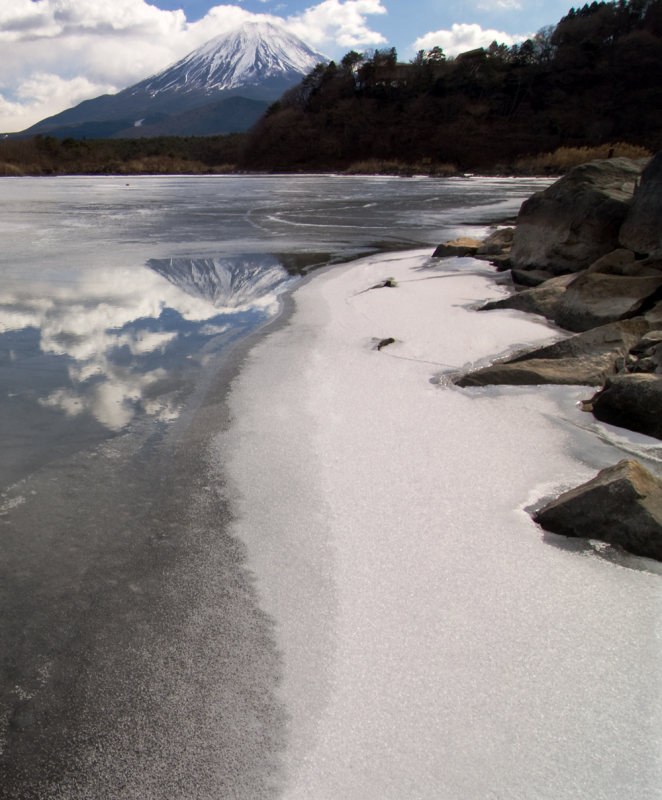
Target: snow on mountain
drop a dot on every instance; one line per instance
(248, 55)
(257, 61)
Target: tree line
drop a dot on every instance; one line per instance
(595, 76)
(592, 79)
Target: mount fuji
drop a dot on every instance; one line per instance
(222, 87)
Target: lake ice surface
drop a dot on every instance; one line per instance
(435, 642)
(141, 658)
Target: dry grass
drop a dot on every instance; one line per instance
(375, 166)
(443, 170)
(224, 169)
(159, 156)
(158, 165)
(7, 169)
(565, 158)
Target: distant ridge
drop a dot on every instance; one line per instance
(257, 61)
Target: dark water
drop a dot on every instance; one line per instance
(134, 659)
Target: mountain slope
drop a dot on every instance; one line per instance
(231, 115)
(258, 61)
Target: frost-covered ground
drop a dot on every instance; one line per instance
(436, 644)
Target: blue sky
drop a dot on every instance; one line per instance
(56, 53)
(405, 22)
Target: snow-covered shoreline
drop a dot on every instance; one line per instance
(434, 644)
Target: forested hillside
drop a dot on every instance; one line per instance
(595, 77)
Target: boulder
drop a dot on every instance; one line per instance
(650, 361)
(622, 505)
(654, 260)
(457, 247)
(530, 277)
(584, 301)
(579, 371)
(585, 359)
(642, 229)
(615, 263)
(617, 338)
(544, 299)
(632, 401)
(502, 263)
(648, 351)
(654, 316)
(576, 220)
(622, 262)
(497, 243)
(596, 299)
(648, 340)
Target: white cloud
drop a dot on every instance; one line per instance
(463, 37)
(343, 22)
(43, 94)
(500, 5)
(56, 53)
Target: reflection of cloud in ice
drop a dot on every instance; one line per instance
(109, 299)
(82, 348)
(214, 330)
(146, 341)
(83, 320)
(113, 401)
(97, 301)
(70, 402)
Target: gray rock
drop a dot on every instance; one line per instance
(642, 229)
(497, 243)
(544, 299)
(632, 401)
(579, 371)
(463, 246)
(653, 260)
(654, 316)
(622, 262)
(645, 365)
(576, 220)
(617, 338)
(650, 339)
(584, 301)
(586, 359)
(615, 263)
(596, 299)
(502, 263)
(650, 361)
(622, 505)
(530, 277)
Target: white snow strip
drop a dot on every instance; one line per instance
(434, 645)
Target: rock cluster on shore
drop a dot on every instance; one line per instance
(586, 253)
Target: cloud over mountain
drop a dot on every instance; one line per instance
(59, 52)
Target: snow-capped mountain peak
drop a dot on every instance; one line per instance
(255, 62)
(248, 55)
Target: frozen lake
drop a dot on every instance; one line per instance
(150, 648)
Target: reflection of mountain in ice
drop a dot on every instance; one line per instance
(224, 282)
